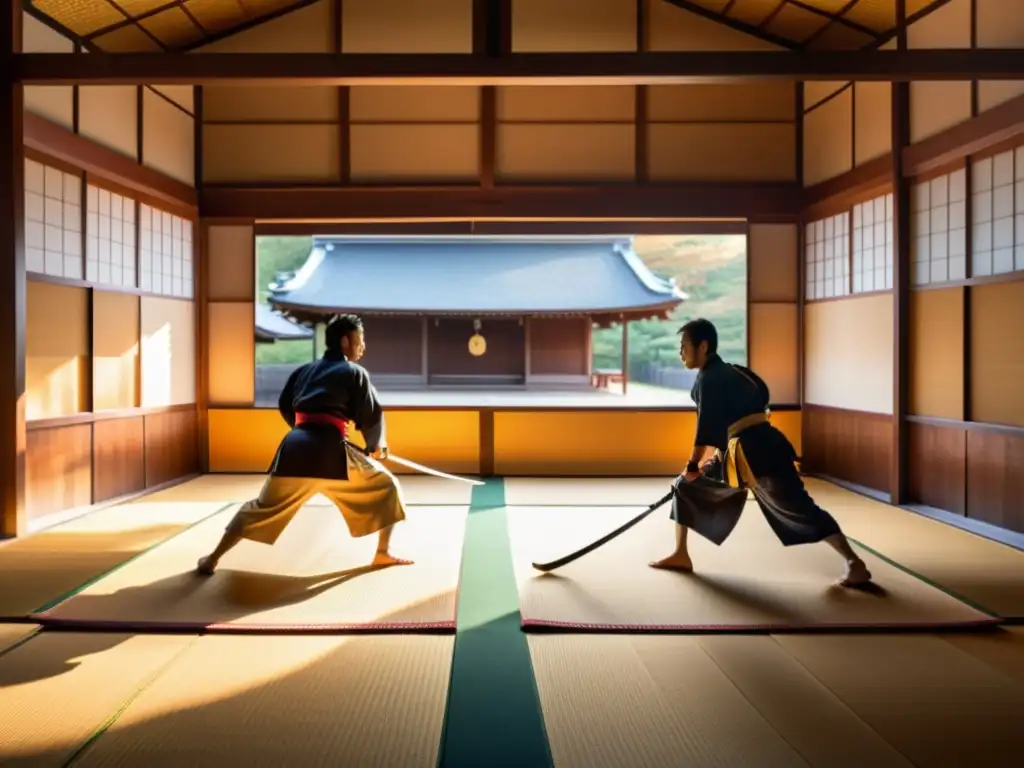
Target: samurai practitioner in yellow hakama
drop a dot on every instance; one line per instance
(733, 428)
(318, 401)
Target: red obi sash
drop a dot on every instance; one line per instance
(323, 418)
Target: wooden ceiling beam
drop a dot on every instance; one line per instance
(526, 68)
(763, 201)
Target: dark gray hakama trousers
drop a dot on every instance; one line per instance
(712, 507)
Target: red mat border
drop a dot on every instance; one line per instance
(227, 628)
(651, 628)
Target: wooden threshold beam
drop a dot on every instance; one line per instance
(765, 202)
(655, 67)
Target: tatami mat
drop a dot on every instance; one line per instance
(12, 634)
(983, 571)
(59, 688)
(833, 702)
(314, 578)
(751, 582)
(418, 489)
(45, 566)
(939, 706)
(1002, 650)
(589, 491)
(276, 701)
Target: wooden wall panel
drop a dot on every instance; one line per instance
(421, 103)
(818, 91)
(54, 102)
(937, 353)
(671, 28)
(774, 332)
(182, 95)
(109, 115)
(313, 103)
(848, 353)
(271, 153)
(118, 457)
(544, 442)
(168, 359)
(58, 469)
(848, 445)
(172, 445)
(936, 105)
(244, 440)
(999, 25)
(828, 138)
(773, 254)
(722, 102)
(115, 351)
(394, 349)
(995, 483)
(968, 469)
(231, 370)
(565, 103)
(997, 353)
(396, 153)
(722, 151)
(937, 463)
(591, 443)
(168, 138)
(230, 263)
(558, 347)
(440, 26)
(872, 121)
(56, 351)
(567, 152)
(562, 26)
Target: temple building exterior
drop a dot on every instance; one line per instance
(476, 311)
(270, 326)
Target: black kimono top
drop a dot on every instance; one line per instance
(331, 385)
(726, 393)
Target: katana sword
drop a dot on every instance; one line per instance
(550, 566)
(430, 471)
(419, 467)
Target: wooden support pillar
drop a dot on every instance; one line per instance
(492, 37)
(901, 272)
(625, 355)
(640, 148)
(425, 349)
(13, 516)
(526, 349)
(589, 325)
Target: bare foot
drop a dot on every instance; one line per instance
(857, 574)
(206, 566)
(386, 558)
(681, 563)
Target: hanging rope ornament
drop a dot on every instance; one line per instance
(477, 343)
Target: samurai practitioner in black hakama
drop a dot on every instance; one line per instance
(317, 402)
(747, 452)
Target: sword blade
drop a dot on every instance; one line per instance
(430, 471)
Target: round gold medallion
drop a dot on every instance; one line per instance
(477, 345)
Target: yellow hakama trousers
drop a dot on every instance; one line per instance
(370, 500)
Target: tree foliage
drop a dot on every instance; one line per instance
(712, 270)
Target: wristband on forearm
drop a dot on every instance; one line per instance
(692, 466)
